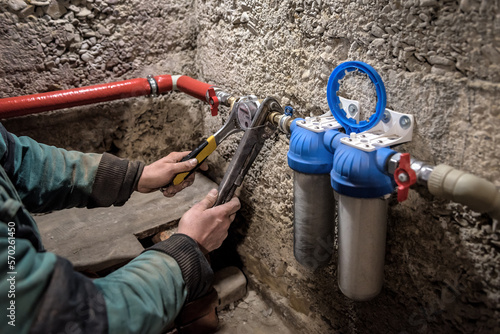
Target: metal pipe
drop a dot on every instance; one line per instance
(225, 98)
(421, 168)
(36, 103)
(283, 122)
(314, 219)
(362, 235)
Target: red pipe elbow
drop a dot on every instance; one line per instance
(193, 87)
(197, 89)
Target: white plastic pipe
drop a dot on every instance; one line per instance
(478, 194)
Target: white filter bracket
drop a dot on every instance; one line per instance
(326, 121)
(394, 128)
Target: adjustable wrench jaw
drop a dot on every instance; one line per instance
(248, 149)
(241, 117)
(231, 126)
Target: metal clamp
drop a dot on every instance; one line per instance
(154, 86)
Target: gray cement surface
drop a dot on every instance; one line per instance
(251, 315)
(97, 239)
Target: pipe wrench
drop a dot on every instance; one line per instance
(249, 147)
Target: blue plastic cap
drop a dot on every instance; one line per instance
(307, 153)
(349, 124)
(289, 111)
(361, 174)
(331, 140)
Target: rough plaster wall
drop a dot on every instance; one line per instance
(50, 45)
(439, 62)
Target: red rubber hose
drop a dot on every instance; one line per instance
(164, 83)
(36, 103)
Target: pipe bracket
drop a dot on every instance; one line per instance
(154, 85)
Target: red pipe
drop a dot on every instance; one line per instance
(36, 103)
(164, 83)
(193, 87)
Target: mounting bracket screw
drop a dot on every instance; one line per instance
(352, 109)
(387, 117)
(405, 122)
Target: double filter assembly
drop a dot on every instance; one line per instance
(324, 163)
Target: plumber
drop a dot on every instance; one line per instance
(143, 296)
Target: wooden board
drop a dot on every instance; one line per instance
(96, 239)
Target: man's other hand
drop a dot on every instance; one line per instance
(208, 225)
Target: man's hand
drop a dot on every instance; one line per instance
(207, 225)
(161, 173)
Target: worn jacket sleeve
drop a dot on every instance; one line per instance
(49, 178)
(147, 294)
(144, 296)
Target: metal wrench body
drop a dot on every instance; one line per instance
(248, 149)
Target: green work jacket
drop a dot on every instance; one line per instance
(39, 291)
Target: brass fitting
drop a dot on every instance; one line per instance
(283, 122)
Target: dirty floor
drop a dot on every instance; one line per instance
(251, 316)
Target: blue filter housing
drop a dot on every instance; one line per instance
(360, 180)
(360, 174)
(307, 154)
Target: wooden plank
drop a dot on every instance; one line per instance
(96, 239)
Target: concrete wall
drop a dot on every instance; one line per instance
(439, 62)
(66, 44)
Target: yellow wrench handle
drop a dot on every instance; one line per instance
(200, 153)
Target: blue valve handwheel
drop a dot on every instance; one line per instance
(349, 124)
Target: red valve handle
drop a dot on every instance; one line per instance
(213, 101)
(404, 169)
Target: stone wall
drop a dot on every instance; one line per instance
(51, 45)
(439, 62)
